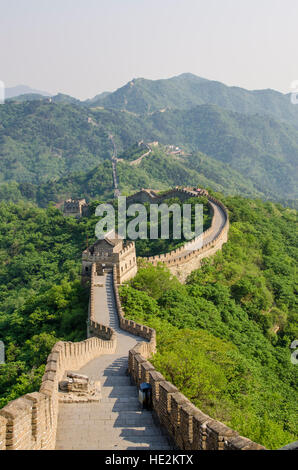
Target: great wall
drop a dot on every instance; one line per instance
(116, 354)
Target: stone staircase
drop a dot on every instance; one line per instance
(117, 422)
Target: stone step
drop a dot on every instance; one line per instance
(110, 446)
(119, 391)
(128, 444)
(110, 381)
(129, 421)
(105, 400)
(132, 405)
(119, 371)
(138, 431)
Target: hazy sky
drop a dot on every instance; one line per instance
(84, 47)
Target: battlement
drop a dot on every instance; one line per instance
(151, 196)
(30, 422)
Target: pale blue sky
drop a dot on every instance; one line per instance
(84, 47)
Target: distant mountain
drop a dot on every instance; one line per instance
(28, 97)
(59, 98)
(187, 90)
(252, 154)
(18, 90)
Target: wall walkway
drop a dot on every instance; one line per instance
(117, 422)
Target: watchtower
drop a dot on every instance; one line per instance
(75, 208)
(107, 253)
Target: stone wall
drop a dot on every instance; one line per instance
(75, 208)
(179, 262)
(30, 422)
(189, 427)
(3, 423)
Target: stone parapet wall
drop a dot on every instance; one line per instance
(127, 267)
(181, 262)
(3, 424)
(167, 258)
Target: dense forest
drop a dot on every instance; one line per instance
(157, 171)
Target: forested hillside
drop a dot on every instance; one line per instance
(40, 141)
(158, 171)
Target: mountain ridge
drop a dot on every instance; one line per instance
(185, 91)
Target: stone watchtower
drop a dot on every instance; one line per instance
(75, 208)
(107, 253)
